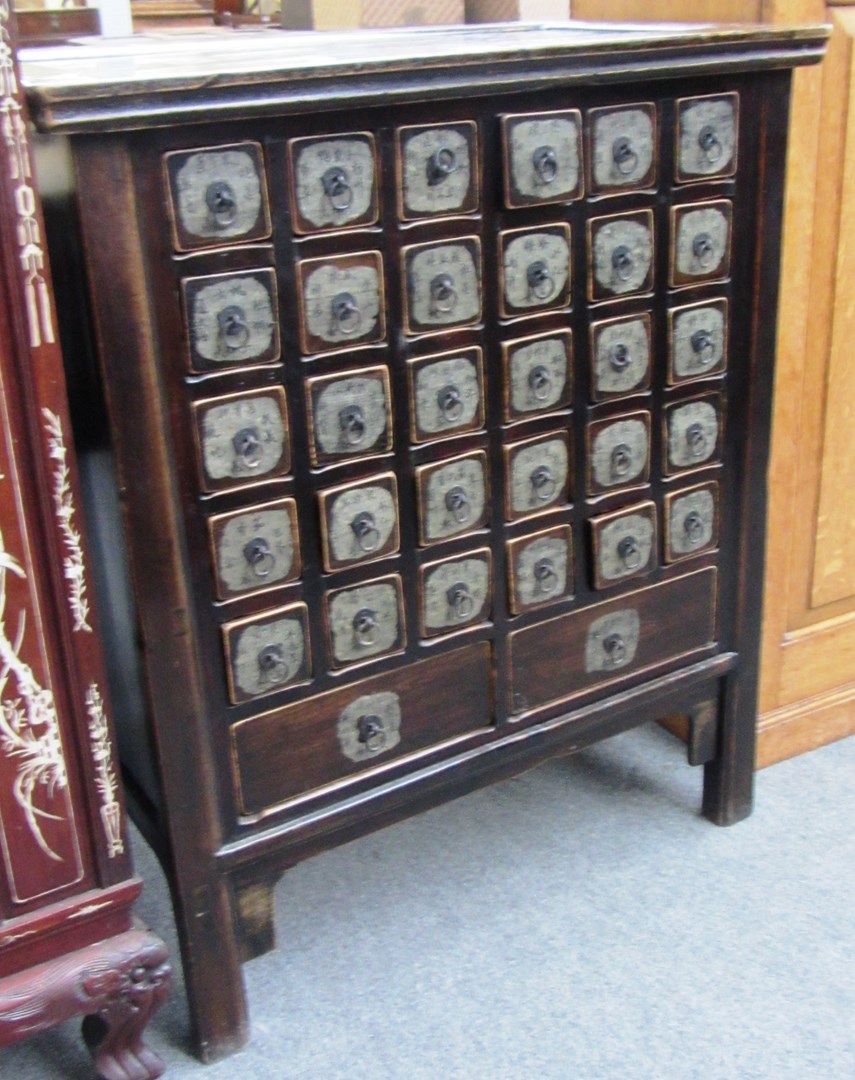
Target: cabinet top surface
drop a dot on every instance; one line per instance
(151, 80)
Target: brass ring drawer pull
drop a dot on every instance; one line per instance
(540, 282)
(545, 164)
(366, 531)
(272, 664)
(222, 202)
(457, 501)
(259, 556)
(247, 447)
(709, 142)
(232, 326)
(346, 316)
(629, 552)
(450, 403)
(371, 732)
(336, 188)
(440, 165)
(545, 575)
(696, 440)
(443, 295)
(544, 483)
(460, 600)
(624, 156)
(365, 626)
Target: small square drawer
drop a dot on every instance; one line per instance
(350, 415)
(255, 548)
(364, 621)
(446, 394)
(691, 521)
(621, 255)
(697, 341)
(333, 182)
(620, 356)
(700, 242)
(437, 170)
(618, 452)
(706, 137)
(217, 195)
(267, 653)
(442, 285)
(454, 593)
(538, 374)
(623, 148)
(535, 268)
(359, 522)
(538, 475)
(231, 319)
(540, 568)
(624, 544)
(694, 432)
(542, 157)
(654, 628)
(452, 497)
(341, 301)
(241, 438)
(357, 729)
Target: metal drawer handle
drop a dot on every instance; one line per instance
(703, 345)
(545, 575)
(540, 283)
(708, 141)
(371, 732)
(696, 440)
(440, 165)
(540, 382)
(346, 316)
(703, 249)
(621, 461)
(365, 625)
(222, 202)
(623, 262)
(693, 528)
(460, 600)
(443, 295)
(629, 552)
(615, 649)
(544, 483)
(234, 331)
(247, 446)
(450, 403)
(620, 357)
(366, 531)
(259, 556)
(351, 420)
(545, 164)
(457, 501)
(336, 188)
(272, 664)
(625, 157)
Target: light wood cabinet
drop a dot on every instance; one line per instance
(808, 660)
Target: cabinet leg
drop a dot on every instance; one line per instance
(131, 994)
(729, 776)
(117, 985)
(212, 969)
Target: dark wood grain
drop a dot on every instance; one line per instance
(247, 786)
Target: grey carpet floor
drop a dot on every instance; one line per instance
(581, 921)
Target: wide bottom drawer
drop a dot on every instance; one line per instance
(283, 754)
(558, 659)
